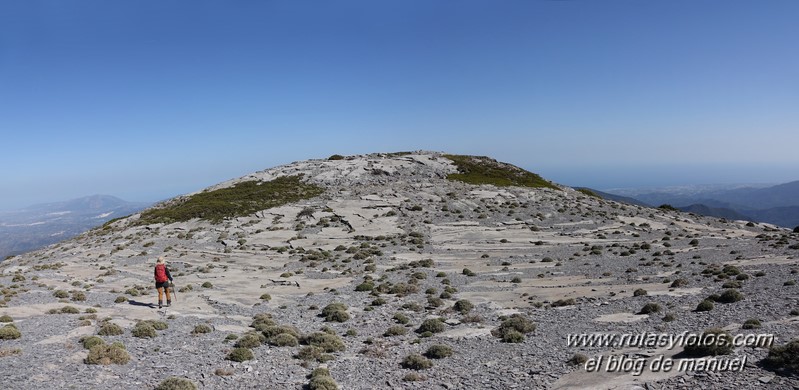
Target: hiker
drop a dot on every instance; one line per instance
(162, 281)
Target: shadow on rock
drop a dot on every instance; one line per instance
(137, 303)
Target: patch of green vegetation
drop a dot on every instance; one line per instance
(175, 383)
(438, 351)
(240, 354)
(714, 342)
(90, 341)
(416, 362)
(484, 170)
(513, 329)
(107, 354)
(325, 342)
(110, 329)
(784, 358)
(9, 332)
(321, 380)
(586, 191)
(240, 200)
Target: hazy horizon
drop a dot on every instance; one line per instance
(148, 100)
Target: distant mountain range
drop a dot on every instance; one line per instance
(44, 224)
(778, 204)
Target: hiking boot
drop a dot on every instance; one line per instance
(168, 303)
(160, 303)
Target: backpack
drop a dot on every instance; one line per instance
(160, 273)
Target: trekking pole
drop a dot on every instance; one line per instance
(174, 292)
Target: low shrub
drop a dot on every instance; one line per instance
(365, 286)
(512, 336)
(157, 325)
(438, 351)
(713, 342)
(401, 318)
(463, 306)
(322, 382)
(731, 284)
(325, 341)
(110, 329)
(202, 328)
(89, 341)
(6, 318)
(513, 329)
(283, 340)
(650, 308)
(248, 341)
(515, 323)
(752, 323)
(784, 357)
(432, 325)
(143, 330)
(175, 383)
(78, 296)
(104, 354)
(309, 353)
(69, 310)
(240, 354)
(262, 320)
(730, 296)
(679, 283)
(335, 312)
(395, 330)
(272, 331)
(563, 302)
(578, 359)
(9, 332)
(416, 362)
(705, 305)
(639, 292)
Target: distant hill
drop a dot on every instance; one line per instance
(782, 195)
(778, 204)
(40, 225)
(782, 216)
(617, 198)
(719, 212)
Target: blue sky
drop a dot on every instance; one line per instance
(150, 99)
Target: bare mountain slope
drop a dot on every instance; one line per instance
(394, 271)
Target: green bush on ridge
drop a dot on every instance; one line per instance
(484, 170)
(241, 199)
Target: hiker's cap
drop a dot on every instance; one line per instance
(160, 260)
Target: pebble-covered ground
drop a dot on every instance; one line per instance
(425, 270)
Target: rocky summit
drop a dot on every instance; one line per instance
(416, 270)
